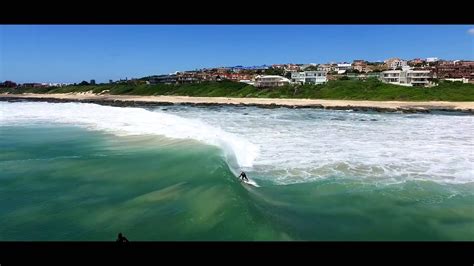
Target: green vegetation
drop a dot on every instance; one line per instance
(311, 68)
(274, 71)
(370, 89)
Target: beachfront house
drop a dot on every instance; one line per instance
(309, 77)
(409, 77)
(265, 81)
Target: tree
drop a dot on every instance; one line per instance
(84, 83)
(274, 71)
(311, 68)
(352, 71)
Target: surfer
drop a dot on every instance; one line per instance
(121, 238)
(244, 176)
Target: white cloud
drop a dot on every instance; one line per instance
(470, 31)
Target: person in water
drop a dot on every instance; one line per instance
(243, 176)
(121, 238)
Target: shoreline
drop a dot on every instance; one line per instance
(356, 105)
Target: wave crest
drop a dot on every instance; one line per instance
(131, 121)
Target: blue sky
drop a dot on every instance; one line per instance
(72, 53)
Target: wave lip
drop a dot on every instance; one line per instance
(130, 121)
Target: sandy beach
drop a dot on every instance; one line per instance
(264, 102)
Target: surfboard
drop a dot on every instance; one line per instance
(250, 183)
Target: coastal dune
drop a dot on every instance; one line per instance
(126, 100)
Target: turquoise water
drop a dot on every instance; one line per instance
(68, 181)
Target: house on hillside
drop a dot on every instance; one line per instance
(419, 78)
(265, 81)
(309, 77)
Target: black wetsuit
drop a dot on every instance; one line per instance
(244, 176)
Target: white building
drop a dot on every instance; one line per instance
(270, 81)
(432, 59)
(343, 67)
(311, 77)
(407, 77)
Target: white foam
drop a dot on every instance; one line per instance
(307, 144)
(129, 121)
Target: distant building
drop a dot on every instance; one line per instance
(310, 77)
(263, 81)
(92, 82)
(111, 81)
(54, 84)
(361, 66)
(456, 69)
(163, 79)
(33, 85)
(278, 66)
(407, 77)
(394, 63)
(292, 67)
(189, 77)
(207, 76)
(416, 62)
(8, 84)
(324, 67)
(432, 59)
(343, 67)
(237, 76)
(223, 70)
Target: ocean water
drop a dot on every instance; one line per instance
(76, 171)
